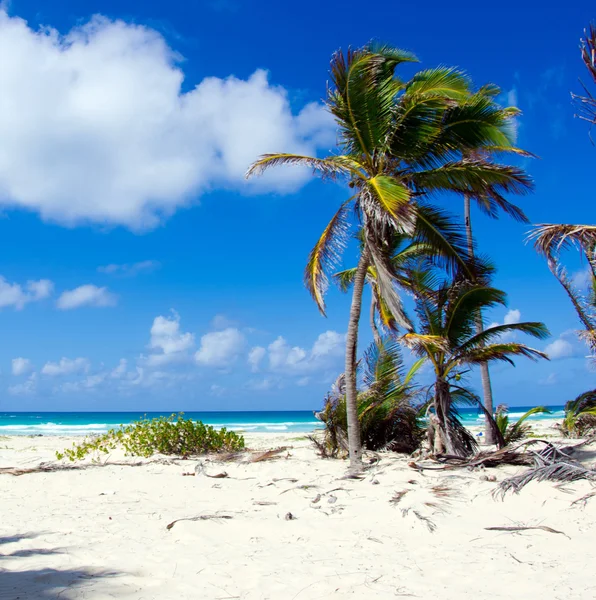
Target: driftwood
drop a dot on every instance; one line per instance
(513, 529)
(268, 455)
(199, 518)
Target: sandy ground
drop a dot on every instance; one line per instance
(101, 532)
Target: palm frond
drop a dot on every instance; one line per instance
(489, 335)
(502, 352)
(330, 167)
(325, 255)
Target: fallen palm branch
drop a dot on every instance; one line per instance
(199, 518)
(521, 528)
(268, 455)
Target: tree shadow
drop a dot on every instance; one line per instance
(44, 583)
(49, 584)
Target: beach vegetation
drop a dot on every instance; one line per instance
(515, 432)
(580, 415)
(171, 436)
(388, 405)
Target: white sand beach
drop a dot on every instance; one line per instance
(101, 532)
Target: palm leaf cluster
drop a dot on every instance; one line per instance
(580, 415)
(515, 432)
(550, 240)
(586, 103)
(388, 409)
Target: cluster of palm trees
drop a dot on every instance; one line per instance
(403, 147)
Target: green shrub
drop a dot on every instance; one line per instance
(580, 415)
(515, 432)
(387, 410)
(173, 436)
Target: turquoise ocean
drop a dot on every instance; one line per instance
(83, 423)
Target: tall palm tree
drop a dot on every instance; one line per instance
(500, 120)
(397, 141)
(549, 240)
(447, 338)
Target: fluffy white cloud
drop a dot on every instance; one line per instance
(21, 366)
(327, 348)
(130, 269)
(16, 295)
(560, 348)
(24, 389)
(97, 129)
(512, 317)
(255, 356)
(167, 341)
(582, 279)
(66, 366)
(86, 295)
(219, 348)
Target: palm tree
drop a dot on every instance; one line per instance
(587, 104)
(448, 340)
(514, 432)
(398, 141)
(501, 120)
(549, 240)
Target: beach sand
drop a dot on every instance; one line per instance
(101, 532)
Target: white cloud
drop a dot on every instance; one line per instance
(13, 294)
(512, 317)
(264, 385)
(66, 366)
(219, 348)
(222, 322)
(217, 390)
(559, 349)
(582, 279)
(130, 269)
(327, 348)
(255, 356)
(86, 295)
(24, 389)
(99, 129)
(550, 380)
(168, 342)
(21, 366)
(119, 371)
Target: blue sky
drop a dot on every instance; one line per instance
(141, 272)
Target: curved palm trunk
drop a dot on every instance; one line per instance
(354, 444)
(373, 323)
(487, 391)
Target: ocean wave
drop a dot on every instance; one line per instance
(56, 429)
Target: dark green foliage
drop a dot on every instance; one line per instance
(387, 410)
(580, 415)
(515, 432)
(173, 436)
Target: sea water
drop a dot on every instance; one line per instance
(304, 421)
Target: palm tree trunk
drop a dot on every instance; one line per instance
(373, 323)
(487, 391)
(354, 443)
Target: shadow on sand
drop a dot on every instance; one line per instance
(45, 584)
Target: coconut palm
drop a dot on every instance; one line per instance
(502, 121)
(397, 141)
(447, 338)
(550, 240)
(387, 404)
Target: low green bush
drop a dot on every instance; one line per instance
(173, 436)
